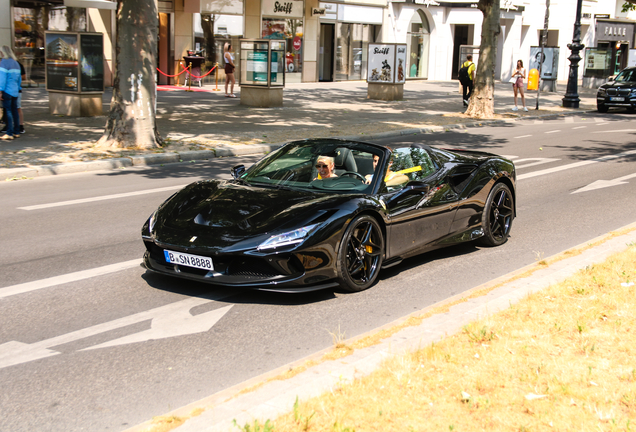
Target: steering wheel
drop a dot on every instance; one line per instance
(355, 174)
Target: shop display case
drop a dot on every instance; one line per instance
(262, 77)
(75, 72)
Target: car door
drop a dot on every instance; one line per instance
(421, 210)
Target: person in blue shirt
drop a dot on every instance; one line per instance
(10, 86)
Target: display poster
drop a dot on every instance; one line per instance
(61, 62)
(381, 63)
(400, 64)
(550, 61)
(596, 60)
(92, 62)
(257, 66)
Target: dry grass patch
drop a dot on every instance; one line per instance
(563, 359)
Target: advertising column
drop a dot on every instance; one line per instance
(74, 73)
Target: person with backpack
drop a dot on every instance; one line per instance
(467, 78)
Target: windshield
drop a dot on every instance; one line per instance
(628, 75)
(318, 165)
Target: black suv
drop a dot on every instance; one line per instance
(620, 92)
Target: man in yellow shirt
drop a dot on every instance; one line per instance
(468, 84)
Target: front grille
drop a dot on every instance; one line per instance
(618, 92)
(251, 267)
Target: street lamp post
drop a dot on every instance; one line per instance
(571, 98)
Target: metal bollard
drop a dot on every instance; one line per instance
(216, 77)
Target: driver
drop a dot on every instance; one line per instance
(325, 166)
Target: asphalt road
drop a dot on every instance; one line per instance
(89, 341)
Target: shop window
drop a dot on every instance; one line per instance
(418, 42)
(352, 50)
(291, 30)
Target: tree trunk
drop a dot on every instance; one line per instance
(131, 121)
(482, 102)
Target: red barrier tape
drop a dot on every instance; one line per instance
(171, 76)
(202, 76)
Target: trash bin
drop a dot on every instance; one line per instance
(533, 79)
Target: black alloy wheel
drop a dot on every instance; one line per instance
(361, 254)
(498, 216)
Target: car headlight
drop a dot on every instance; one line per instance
(289, 238)
(152, 221)
(601, 92)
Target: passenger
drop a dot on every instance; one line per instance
(325, 166)
(391, 178)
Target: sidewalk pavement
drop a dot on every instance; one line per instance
(200, 125)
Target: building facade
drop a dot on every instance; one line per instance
(328, 41)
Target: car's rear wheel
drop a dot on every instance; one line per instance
(601, 107)
(498, 216)
(361, 254)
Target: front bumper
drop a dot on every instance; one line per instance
(283, 272)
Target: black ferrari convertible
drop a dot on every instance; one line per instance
(316, 214)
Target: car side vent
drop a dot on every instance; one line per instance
(460, 176)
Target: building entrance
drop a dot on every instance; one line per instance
(325, 56)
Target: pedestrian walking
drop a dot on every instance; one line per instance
(229, 70)
(467, 78)
(517, 86)
(10, 86)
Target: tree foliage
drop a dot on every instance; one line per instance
(482, 102)
(629, 5)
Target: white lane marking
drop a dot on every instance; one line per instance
(167, 321)
(599, 184)
(101, 198)
(553, 131)
(536, 161)
(615, 130)
(574, 165)
(67, 278)
(523, 136)
(600, 123)
(579, 127)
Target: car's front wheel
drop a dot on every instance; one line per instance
(360, 255)
(498, 216)
(601, 107)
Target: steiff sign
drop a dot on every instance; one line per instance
(283, 8)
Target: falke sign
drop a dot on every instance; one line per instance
(286, 8)
(615, 31)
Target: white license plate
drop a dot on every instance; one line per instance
(617, 99)
(188, 260)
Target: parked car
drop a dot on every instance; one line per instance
(280, 226)
(619, 92)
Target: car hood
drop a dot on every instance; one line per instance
(618, 85)
(221, 214)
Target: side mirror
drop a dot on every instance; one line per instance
(610, 79)
(237, 171)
